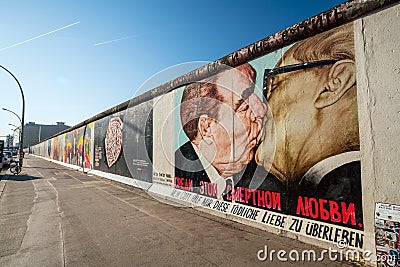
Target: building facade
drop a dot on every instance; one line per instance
(35, 133)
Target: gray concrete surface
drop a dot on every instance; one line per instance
(54, 216)
(377, 47)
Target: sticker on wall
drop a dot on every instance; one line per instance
(387, 234)
(113, 141)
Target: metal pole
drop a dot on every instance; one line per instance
(21, 141)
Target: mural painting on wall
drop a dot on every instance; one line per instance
(80, 152)
(98, 155)
(100, 130)
(68, 148)
(73, 150)
(57, 152)
(113, 141)
(276, 139)
(87, 146)
(56, 149)
(49, 148)
(107, 145)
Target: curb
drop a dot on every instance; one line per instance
(2, 186)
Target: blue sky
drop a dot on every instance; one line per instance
(77, 58)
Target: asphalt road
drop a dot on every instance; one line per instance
(51, 215)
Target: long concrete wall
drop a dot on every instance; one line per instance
(295, 134)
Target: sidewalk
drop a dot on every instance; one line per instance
(54, 216)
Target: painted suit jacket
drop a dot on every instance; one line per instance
(188, 166)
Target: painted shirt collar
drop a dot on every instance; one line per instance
(315, 174)
(212, 173)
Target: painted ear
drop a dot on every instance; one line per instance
(204, 127)
(342, 77)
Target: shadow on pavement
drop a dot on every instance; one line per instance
(19, 178)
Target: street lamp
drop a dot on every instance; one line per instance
(13, 113)
(19, 137)
(19, 132)
(21, 141)
(13, 125)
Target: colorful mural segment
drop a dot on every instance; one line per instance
(88, 148)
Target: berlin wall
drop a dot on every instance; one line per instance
(296, 134)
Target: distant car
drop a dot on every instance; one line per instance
(12, 151)
(7, 158)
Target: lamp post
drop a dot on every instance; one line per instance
(21, 141)
(19, 131)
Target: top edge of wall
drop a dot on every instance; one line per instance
(329, 19)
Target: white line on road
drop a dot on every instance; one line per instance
(147, 213)
(61, 228)
(73, 177)
(40, 244)
(40, 174)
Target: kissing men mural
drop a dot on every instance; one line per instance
(294, 151)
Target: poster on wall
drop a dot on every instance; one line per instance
(387, 234)
(278, 134)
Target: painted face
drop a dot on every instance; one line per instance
(238, 124)
(290, 97)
